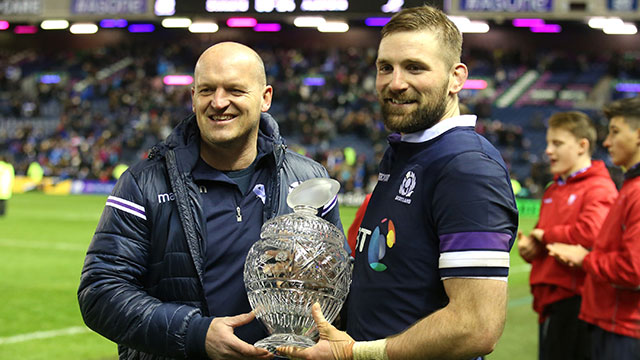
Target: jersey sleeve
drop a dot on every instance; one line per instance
(476, 218)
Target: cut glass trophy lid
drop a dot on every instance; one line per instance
(313, 193)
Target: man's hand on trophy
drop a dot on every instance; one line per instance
(222, 343)
(333, 344)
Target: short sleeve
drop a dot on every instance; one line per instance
(476, 217)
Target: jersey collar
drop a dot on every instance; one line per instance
(632, 172)
(440, 128)
(560, 181)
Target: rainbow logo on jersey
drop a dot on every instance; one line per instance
(379, 244)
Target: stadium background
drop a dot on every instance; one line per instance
(83, 105)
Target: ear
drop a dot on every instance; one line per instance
(193, 100)
(457, 77)
(584, 146)
(267, 95)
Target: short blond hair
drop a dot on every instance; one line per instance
(428, 18)
(577, 123)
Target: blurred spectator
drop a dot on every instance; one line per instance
(7, 174)
(101, 107)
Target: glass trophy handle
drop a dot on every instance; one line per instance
(313, 193)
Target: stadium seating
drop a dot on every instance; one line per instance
(82, 112)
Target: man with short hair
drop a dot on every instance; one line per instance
(163, 276)
(611, 294)
(432, 254)
(572, 211)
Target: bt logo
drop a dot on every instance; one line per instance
(380, 241)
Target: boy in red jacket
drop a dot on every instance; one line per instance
(572, 211)
(611, 296)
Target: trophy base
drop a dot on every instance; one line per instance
(272, 342)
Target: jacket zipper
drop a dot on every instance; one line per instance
(238, 214)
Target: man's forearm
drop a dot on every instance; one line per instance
(460, 330)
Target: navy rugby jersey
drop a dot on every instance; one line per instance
(443, 207)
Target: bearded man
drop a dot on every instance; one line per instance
(432, 252)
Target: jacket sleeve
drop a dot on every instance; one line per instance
(621, 267)
(299, 168)
(331, 213)
(587, 226)
(111, 295)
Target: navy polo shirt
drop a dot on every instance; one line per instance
(233, 219)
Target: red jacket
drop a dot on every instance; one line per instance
(570, 213)
(352, 233)
(611, 297)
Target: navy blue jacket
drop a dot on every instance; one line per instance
(142, 281)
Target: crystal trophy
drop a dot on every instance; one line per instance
(299, 260)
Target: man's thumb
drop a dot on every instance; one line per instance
(318, 316)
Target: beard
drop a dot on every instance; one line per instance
(425, 116)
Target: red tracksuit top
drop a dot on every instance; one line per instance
(570, 213)
(611, 295)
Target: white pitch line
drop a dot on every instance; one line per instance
(44, 335)
(28, 244)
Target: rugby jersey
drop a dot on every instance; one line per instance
(443, 208)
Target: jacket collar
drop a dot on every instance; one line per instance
(597, 168)
(633, 171)
(185, 141)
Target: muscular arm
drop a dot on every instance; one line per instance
(470, 325)
(482, 215)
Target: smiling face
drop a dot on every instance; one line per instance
(228, 95)
(566, 152)
(416, 88)
(623, 143)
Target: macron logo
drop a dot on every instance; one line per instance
(163, 198)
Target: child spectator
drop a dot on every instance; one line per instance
(572, 211)
(611, 295)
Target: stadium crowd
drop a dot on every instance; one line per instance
(79, 113)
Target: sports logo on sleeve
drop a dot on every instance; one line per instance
(126, 206)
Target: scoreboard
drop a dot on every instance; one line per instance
(498, 10)
(297, 7)
(547, 9)
(36, 10)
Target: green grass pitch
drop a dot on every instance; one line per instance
(43, 240)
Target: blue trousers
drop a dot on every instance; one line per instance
(562, 335)
(607, 345)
